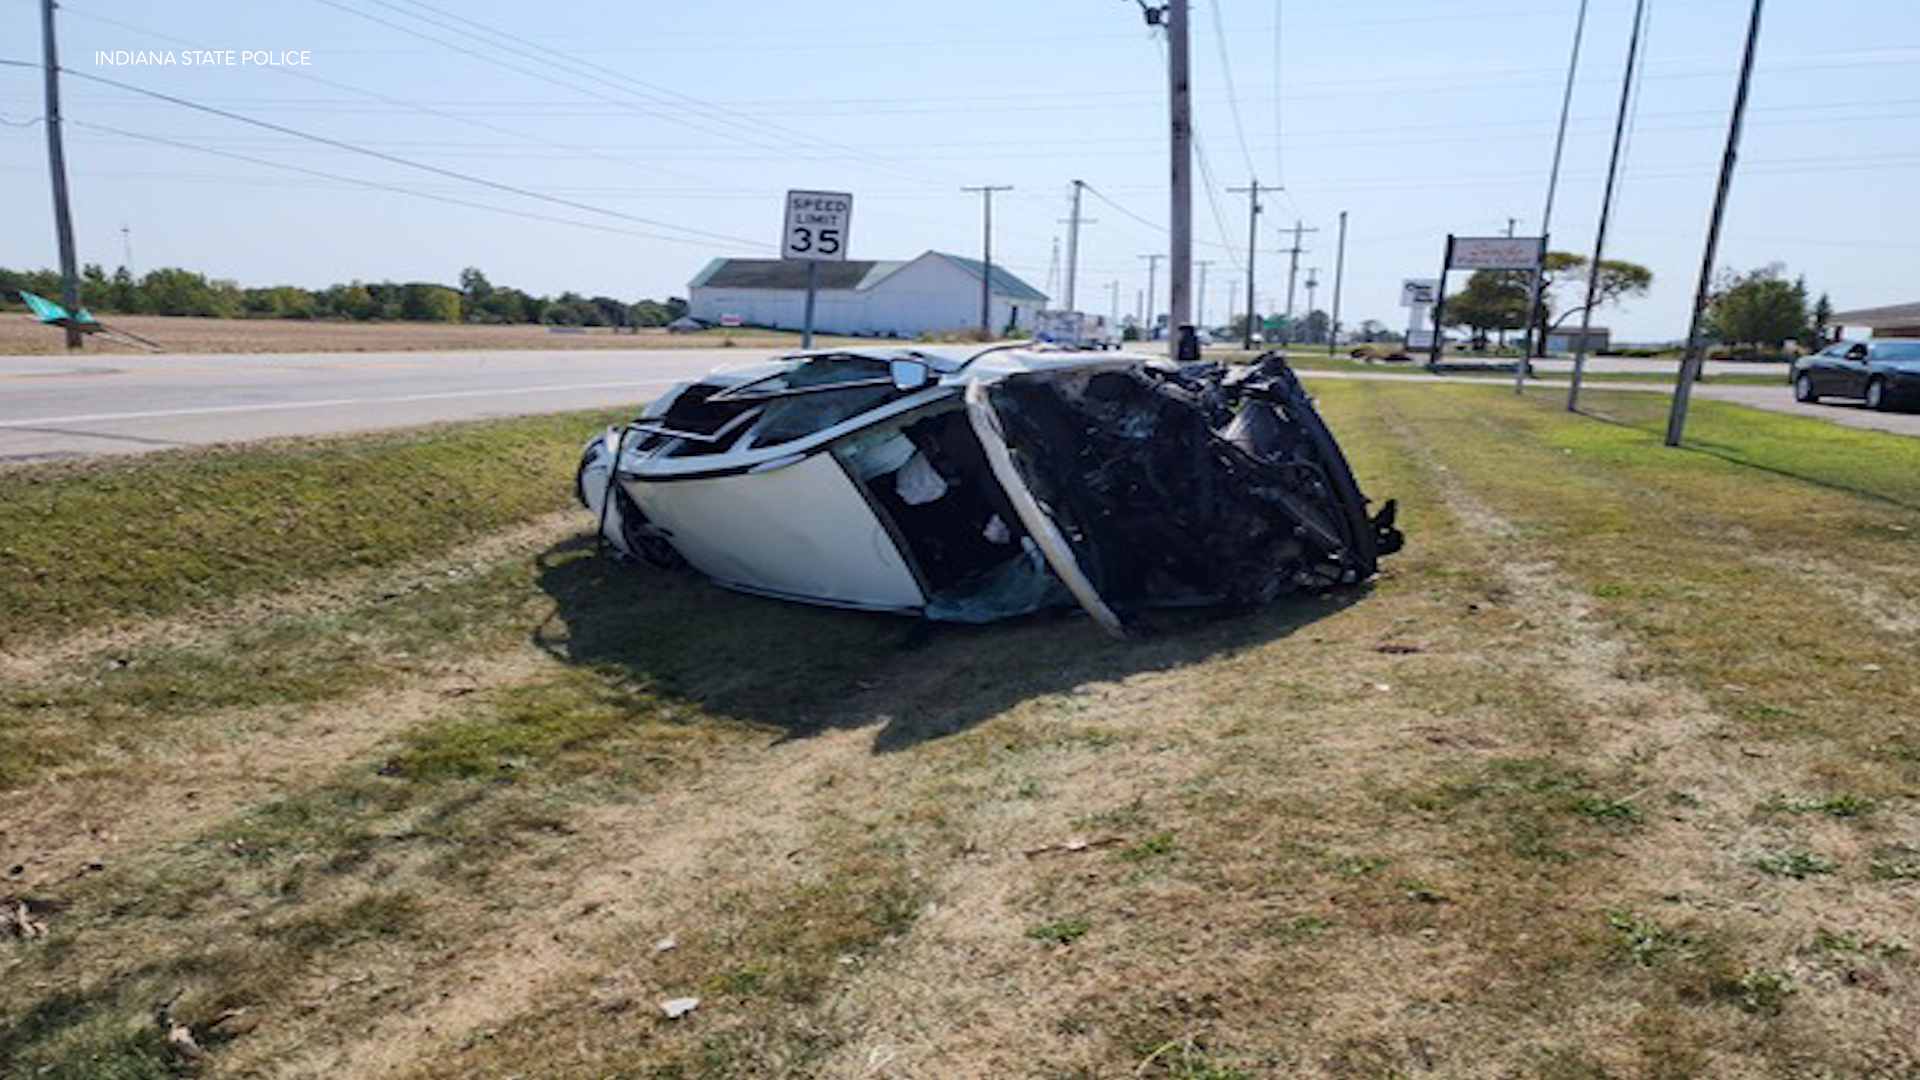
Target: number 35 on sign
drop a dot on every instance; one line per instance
(817, 224)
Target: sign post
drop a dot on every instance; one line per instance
(816, 231)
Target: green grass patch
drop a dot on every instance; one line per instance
(120, 538)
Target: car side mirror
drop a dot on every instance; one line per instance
(909, 375)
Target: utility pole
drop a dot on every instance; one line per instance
(1293, 271)
(1114, 288)
(1186, 345)
(1537, 314)
(1339, 278)
(1153, 264)
(1200, 304)
(1253, 223)
(986, 257)
(1606, 208)
(57, 167)
(1073, 243)
(1511, 222)
(1690, 363)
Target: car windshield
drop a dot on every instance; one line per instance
(1905, 350)
(816, 395)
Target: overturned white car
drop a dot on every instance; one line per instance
(976, 487)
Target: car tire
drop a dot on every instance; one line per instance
(1803, 389)
(1877, 394)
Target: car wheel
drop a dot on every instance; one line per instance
(1877, 393)
(1803, 388)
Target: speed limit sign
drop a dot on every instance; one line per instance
(817, 224)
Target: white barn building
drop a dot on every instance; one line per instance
(934, 293)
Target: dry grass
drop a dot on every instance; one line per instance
(21, 336)
(1602, 779)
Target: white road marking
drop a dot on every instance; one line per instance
(327, 403)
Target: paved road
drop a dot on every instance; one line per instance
(53, 407)
(1772, 398)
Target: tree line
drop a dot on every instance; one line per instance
(174, 291)
(1756, 311)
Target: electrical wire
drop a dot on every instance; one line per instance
(379, 185)
(1226, 74)
(794, 141)
(414, 106)
(398, 160)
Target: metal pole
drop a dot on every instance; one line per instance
(1690, 364)
(1313, 284)
(1185, 345)
(57, 168)
(1146, 320)
(986, 256)
(1200, 304)
(1073, 244)
(1440, 305)
(813, 289)
(1537, 312)
(1339, 276)
(1253, 221)
(1606, 208)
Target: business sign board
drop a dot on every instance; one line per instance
(816, 228)
(1494, 253)
(1419, 292)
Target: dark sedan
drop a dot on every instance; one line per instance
(1884, 374)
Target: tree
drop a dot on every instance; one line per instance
(1313, 328)
(1759, 308)
(1492, 300)
(1820, 326)
(1619, 280)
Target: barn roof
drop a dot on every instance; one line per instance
(854, 274)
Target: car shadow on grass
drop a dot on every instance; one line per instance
(800, 671)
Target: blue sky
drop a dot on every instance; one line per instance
(676, 128)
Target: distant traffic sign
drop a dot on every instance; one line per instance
(816, 228)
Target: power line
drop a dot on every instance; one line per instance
(1226, 74)
(410, 106)
(398, 160)
(378, 185)
(742, 123)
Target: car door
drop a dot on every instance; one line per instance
(1850, 371)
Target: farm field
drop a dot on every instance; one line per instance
(21, 336)
(308, 771)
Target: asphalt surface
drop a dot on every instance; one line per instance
(55, 407)
(58, 407)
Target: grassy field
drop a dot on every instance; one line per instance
(21, 336)
(1612, 774)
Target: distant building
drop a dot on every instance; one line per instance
(1897, 321)
(935, 292)
(1567, 340)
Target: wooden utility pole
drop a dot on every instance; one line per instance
(57, 166)
(1253, 223)
(1073, 244)
(1186, 346)
(1293, 271)
(1690, 363)
(986, 257)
